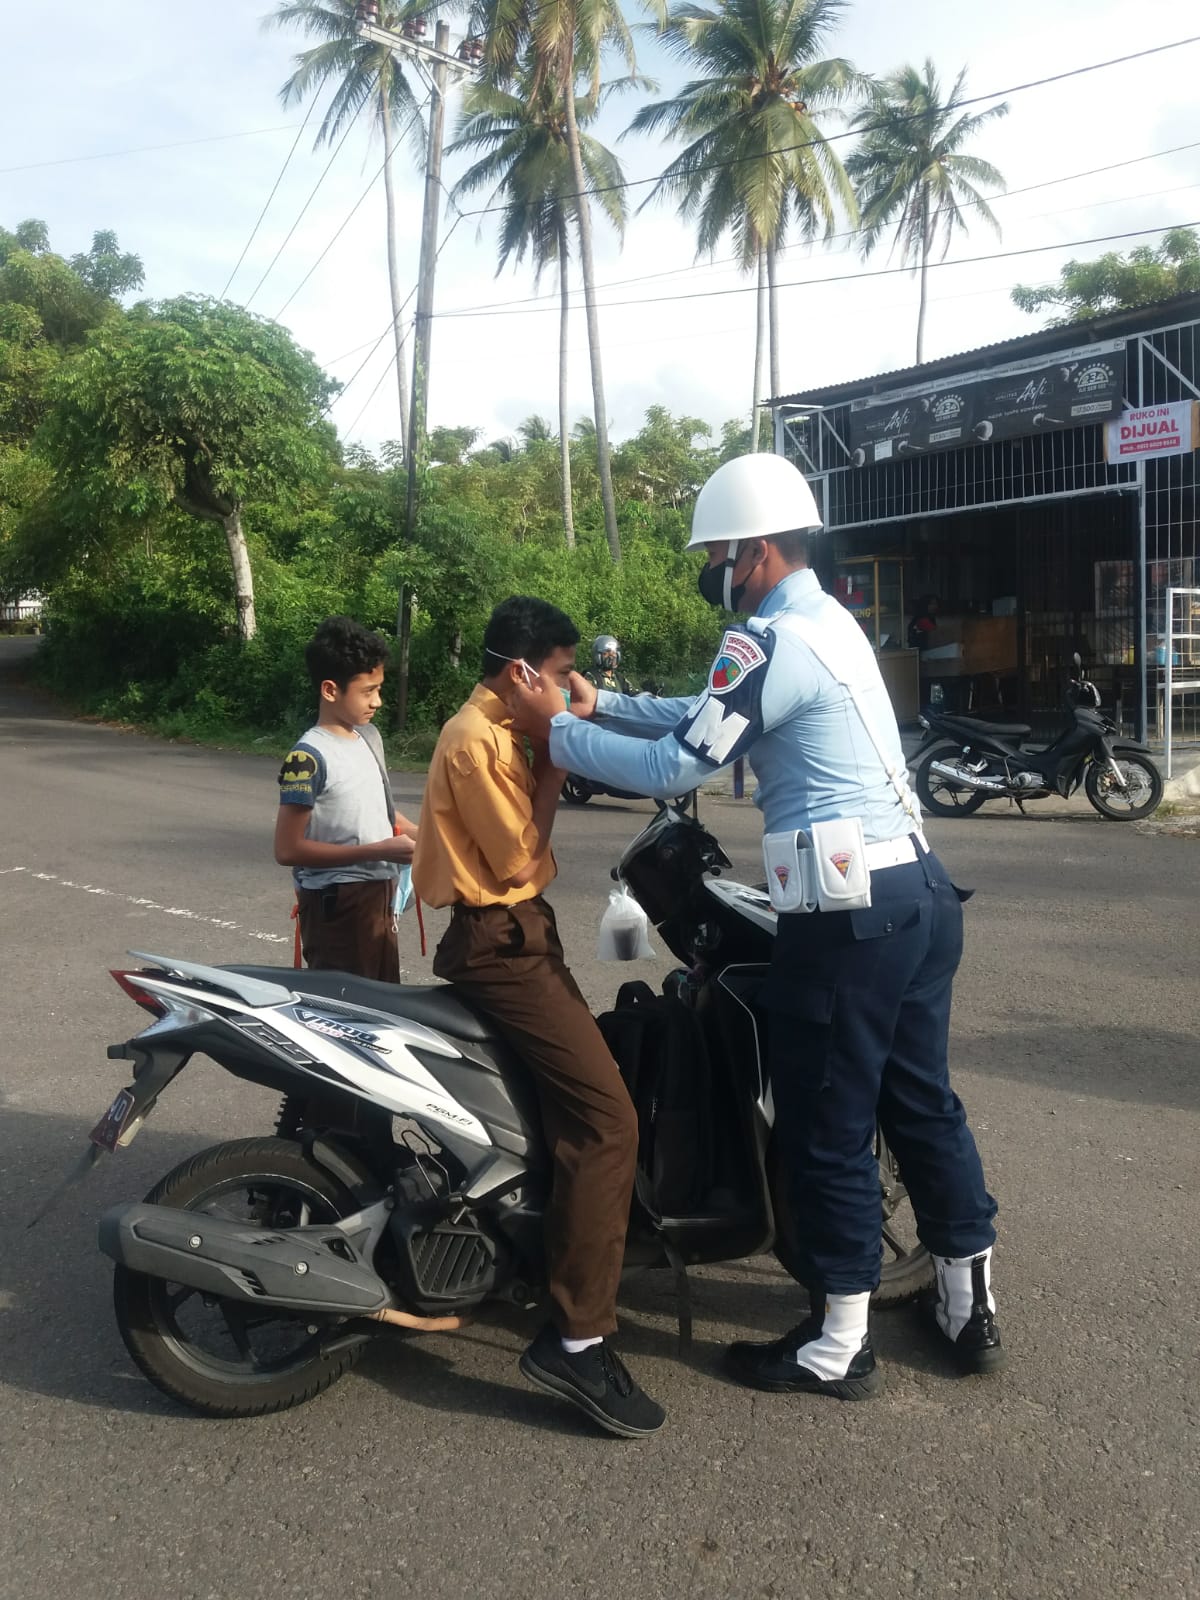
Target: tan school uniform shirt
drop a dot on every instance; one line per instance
(477, 826)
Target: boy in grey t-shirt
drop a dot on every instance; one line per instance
(337, 827)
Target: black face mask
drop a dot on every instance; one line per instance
(717, 586)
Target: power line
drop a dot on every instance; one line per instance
(346, 354)
(374, 391)
(854, 133)
(311, 197)
(387, 329)
(350, 214)
(388, 326)
(274, 190)
(143, 149)
(841, 277)
(851, 233)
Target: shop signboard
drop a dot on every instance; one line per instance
(1076, 386)
(1166, 430)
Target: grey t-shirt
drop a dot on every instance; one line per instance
(342, 781)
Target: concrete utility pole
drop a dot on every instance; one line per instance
(444, 68)
(423, 329)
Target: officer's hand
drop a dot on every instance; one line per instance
(583, 695)
(532, 709)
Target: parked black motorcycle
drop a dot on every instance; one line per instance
(578, 791)
(407, 1180)
(965, 761)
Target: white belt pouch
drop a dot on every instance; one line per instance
(826, 871)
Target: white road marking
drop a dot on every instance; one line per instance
(143, 904)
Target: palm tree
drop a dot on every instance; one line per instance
(911, 169)
(364, 73)
(559, 42)
(534, 430)
(529, 164)
(756, 161)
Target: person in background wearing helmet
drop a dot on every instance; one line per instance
(869, 933)
(606, 662)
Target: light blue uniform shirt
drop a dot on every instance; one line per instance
(768, 699)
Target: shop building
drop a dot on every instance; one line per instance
(990, 513)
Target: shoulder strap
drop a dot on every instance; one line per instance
(374, 742)
(802, 627)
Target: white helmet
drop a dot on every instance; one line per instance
(752, 497)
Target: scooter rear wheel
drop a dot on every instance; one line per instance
(941, 795)
(575, 790)
(223, 1357)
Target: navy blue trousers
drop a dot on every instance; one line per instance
(858, 1016)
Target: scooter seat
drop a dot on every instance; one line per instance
(433, 1005)
(969, 725)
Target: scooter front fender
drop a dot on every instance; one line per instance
(1129, 747)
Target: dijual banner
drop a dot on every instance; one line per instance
(1077, 386)
(1166, 430)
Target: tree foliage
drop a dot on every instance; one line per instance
(755, 163)
(912, 169)
(1115, 283)
(362, 73)
(189, 403)
(48, 306)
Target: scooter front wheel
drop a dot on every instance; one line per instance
(225, 1357)
(575, 790)
(1141, 795)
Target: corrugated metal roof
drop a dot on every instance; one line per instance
(1180, 308)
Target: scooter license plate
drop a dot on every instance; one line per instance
(115, 1127)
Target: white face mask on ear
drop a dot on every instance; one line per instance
(530, 673)
(527, 672)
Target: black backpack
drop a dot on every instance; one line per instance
(659, 1045)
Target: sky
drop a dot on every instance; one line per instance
(205, 82)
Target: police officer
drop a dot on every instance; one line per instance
(857, 1000)
(606, 663)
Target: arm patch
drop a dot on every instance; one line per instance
(726, 720)
(739, 655)
(301, 777)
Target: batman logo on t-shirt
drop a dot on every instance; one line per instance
(298, 770)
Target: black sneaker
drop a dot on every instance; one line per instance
(774, 1367)
(596, 1381)
(978, 1347)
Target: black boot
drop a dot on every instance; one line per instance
(964, 1312)
(596, 1380)
(829, 1353)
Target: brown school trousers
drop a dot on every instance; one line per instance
(508, 961)
(348, 927)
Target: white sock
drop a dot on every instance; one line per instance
(574, 1346)
(956, 1291)
(845, 1327)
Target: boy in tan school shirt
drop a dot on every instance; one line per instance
(484, 850)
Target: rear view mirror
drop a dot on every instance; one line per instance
(1078, 660)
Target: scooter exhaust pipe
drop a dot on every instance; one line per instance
(298, 1269)
(968, 780)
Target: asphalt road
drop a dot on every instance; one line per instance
(433, 1470)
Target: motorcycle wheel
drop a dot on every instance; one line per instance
(940, 795)
(1142, 795)
(223, 1357)
(575, 790)
(905, 1268)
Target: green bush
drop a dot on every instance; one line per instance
(144, 632)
